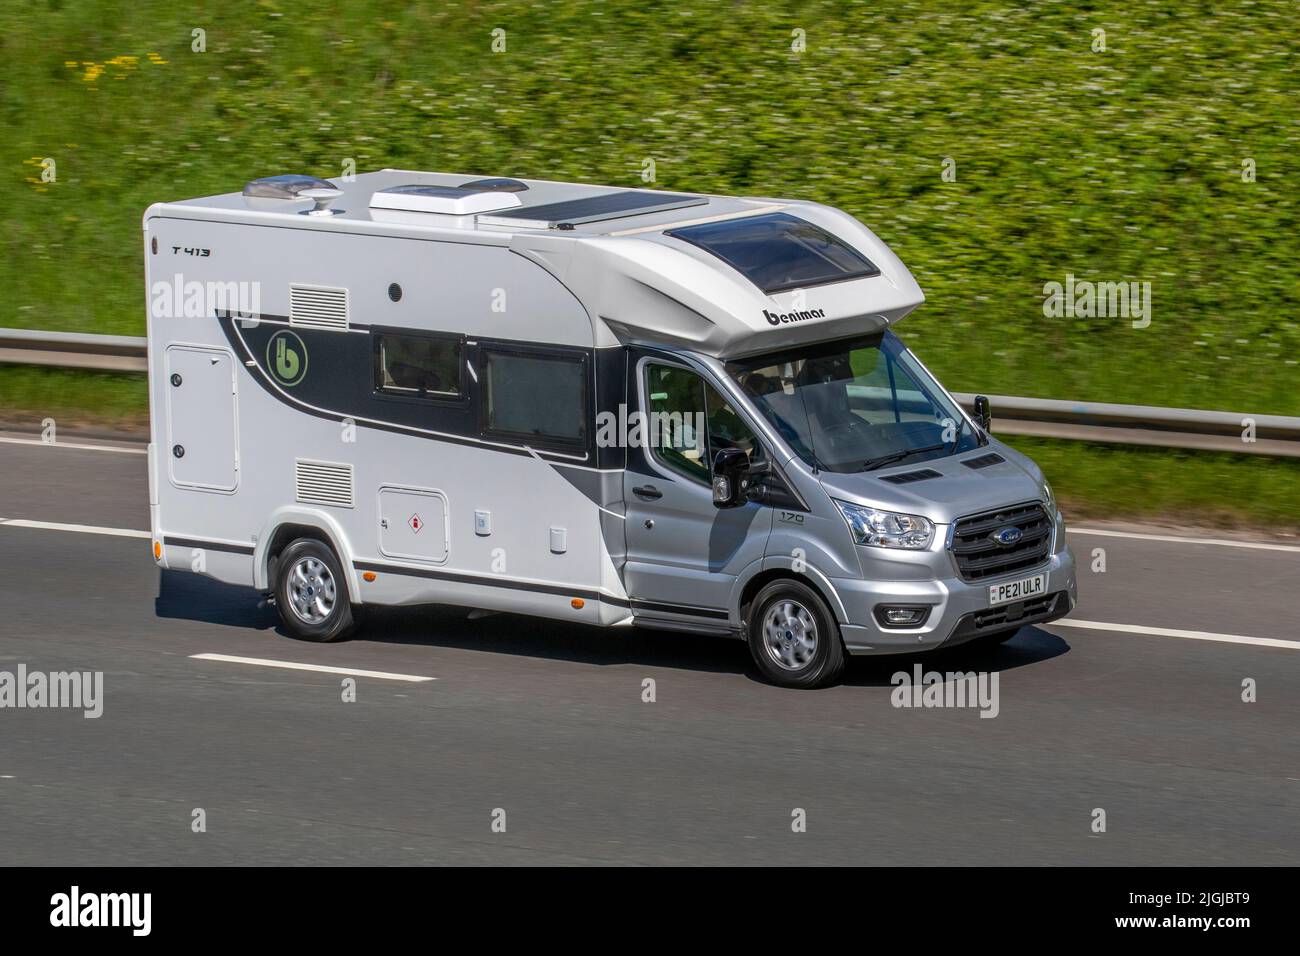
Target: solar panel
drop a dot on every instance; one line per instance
(572, 212)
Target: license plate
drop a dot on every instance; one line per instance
(1017, 590)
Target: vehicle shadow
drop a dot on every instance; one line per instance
(1030, 646)
(194, 597)
(516, 634)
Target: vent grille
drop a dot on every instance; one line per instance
(323, 483)
(907, 477)
(316, 307)
(983, 461)
(980, 556)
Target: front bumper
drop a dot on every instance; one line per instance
(959, 610)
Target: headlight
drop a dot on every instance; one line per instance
(887, 529)
(1050, 499)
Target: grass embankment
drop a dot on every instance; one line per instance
(1122, 164)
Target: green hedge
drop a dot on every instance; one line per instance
(1117, 165)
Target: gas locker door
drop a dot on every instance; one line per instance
(413, 524)
(202, 443)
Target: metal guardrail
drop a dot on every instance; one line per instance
(1184, 428)
(104, 353)
(1190, 429)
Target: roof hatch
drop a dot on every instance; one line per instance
(448, 200)
(290, 186)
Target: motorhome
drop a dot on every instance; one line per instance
(608, 406)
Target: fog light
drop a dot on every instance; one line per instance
(901, 615)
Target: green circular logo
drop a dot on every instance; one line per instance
(286, 358)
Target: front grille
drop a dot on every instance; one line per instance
(980, 556)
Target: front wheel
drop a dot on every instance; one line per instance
(311, 593)
(793, 636)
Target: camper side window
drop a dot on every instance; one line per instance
(534, 396)
(418, 366)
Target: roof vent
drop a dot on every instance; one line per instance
(448, 200)
(284, 187)
(496, 185)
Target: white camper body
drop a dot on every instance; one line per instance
(421, 375)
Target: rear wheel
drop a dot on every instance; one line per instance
(793, 637)
(311, 593)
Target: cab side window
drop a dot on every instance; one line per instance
(690, 422)
(727, 429)
(675, 428)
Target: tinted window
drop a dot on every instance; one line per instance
(779, 251)
(540, 397)
(849, 405)
(418, 366)
(676, 429)
(691, 422)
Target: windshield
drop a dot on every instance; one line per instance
(855, 405)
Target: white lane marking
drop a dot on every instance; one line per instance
(1173, 632)
(1174, 539)
(319, 668)
(64, 444)
(79, 528)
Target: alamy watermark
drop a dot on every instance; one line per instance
(949, 689)
(82, 690)
(182, 299)
(76, 909)
(1082, 298)
(626, 429)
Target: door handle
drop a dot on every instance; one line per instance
(648, 491)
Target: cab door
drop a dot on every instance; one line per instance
(683, 554)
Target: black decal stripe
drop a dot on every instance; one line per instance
(208, 545)
(658, 608)
(480, 580)
(227, 324)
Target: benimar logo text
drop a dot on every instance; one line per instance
(75, 908)
(784, 318)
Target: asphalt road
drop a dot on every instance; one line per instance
(546, 722)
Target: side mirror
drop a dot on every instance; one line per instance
(729, 467)
(983, 414)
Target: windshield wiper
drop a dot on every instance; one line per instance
(871, 464)
(956, 439)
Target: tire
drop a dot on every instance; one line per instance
(311, 593)
(793, 636)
